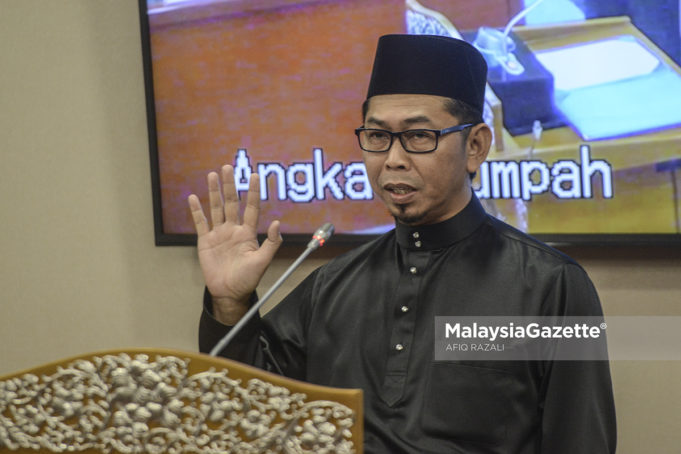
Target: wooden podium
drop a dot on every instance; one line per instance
(158, 401)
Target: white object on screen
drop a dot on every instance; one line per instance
(598, 62)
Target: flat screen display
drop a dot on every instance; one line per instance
(583, 98)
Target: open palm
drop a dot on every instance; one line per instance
(231, 259)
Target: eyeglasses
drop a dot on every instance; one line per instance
(412, 140)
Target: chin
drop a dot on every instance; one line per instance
(408, 218)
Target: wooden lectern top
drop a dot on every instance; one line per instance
(158, 401)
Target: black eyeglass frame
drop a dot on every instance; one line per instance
(438, 133)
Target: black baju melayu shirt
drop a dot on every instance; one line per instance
(366, 320)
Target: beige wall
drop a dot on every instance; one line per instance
(80, 271)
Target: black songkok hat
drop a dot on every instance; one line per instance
(429, 65)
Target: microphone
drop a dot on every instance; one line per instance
(320, 236)
(318, 239)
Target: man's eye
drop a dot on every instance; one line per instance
(419, 135)
(376, 135)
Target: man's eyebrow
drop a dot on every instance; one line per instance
(376, 121)
(406, 121)
(416, 119)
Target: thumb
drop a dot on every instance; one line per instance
(271, 244)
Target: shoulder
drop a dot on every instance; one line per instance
(511, 255)
(508, 239)
(565, 284)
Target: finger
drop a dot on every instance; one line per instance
(217, 213)
(231, 207)
(200, 221)
(271, 244)
(252, 210)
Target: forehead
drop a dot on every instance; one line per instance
(400, 107)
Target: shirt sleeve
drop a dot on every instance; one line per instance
(244, 347)
(579, 409)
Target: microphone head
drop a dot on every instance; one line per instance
(321, 235)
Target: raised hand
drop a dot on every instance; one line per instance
(231, 259)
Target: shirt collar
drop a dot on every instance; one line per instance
(442, 234)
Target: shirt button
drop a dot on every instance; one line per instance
(417, 243)
(413, 270)
(404, 309)
(415, 234)
(399, 347)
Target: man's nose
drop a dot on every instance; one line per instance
(397, 157)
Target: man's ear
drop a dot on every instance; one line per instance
(478, 144)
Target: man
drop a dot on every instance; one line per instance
(365, 319)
